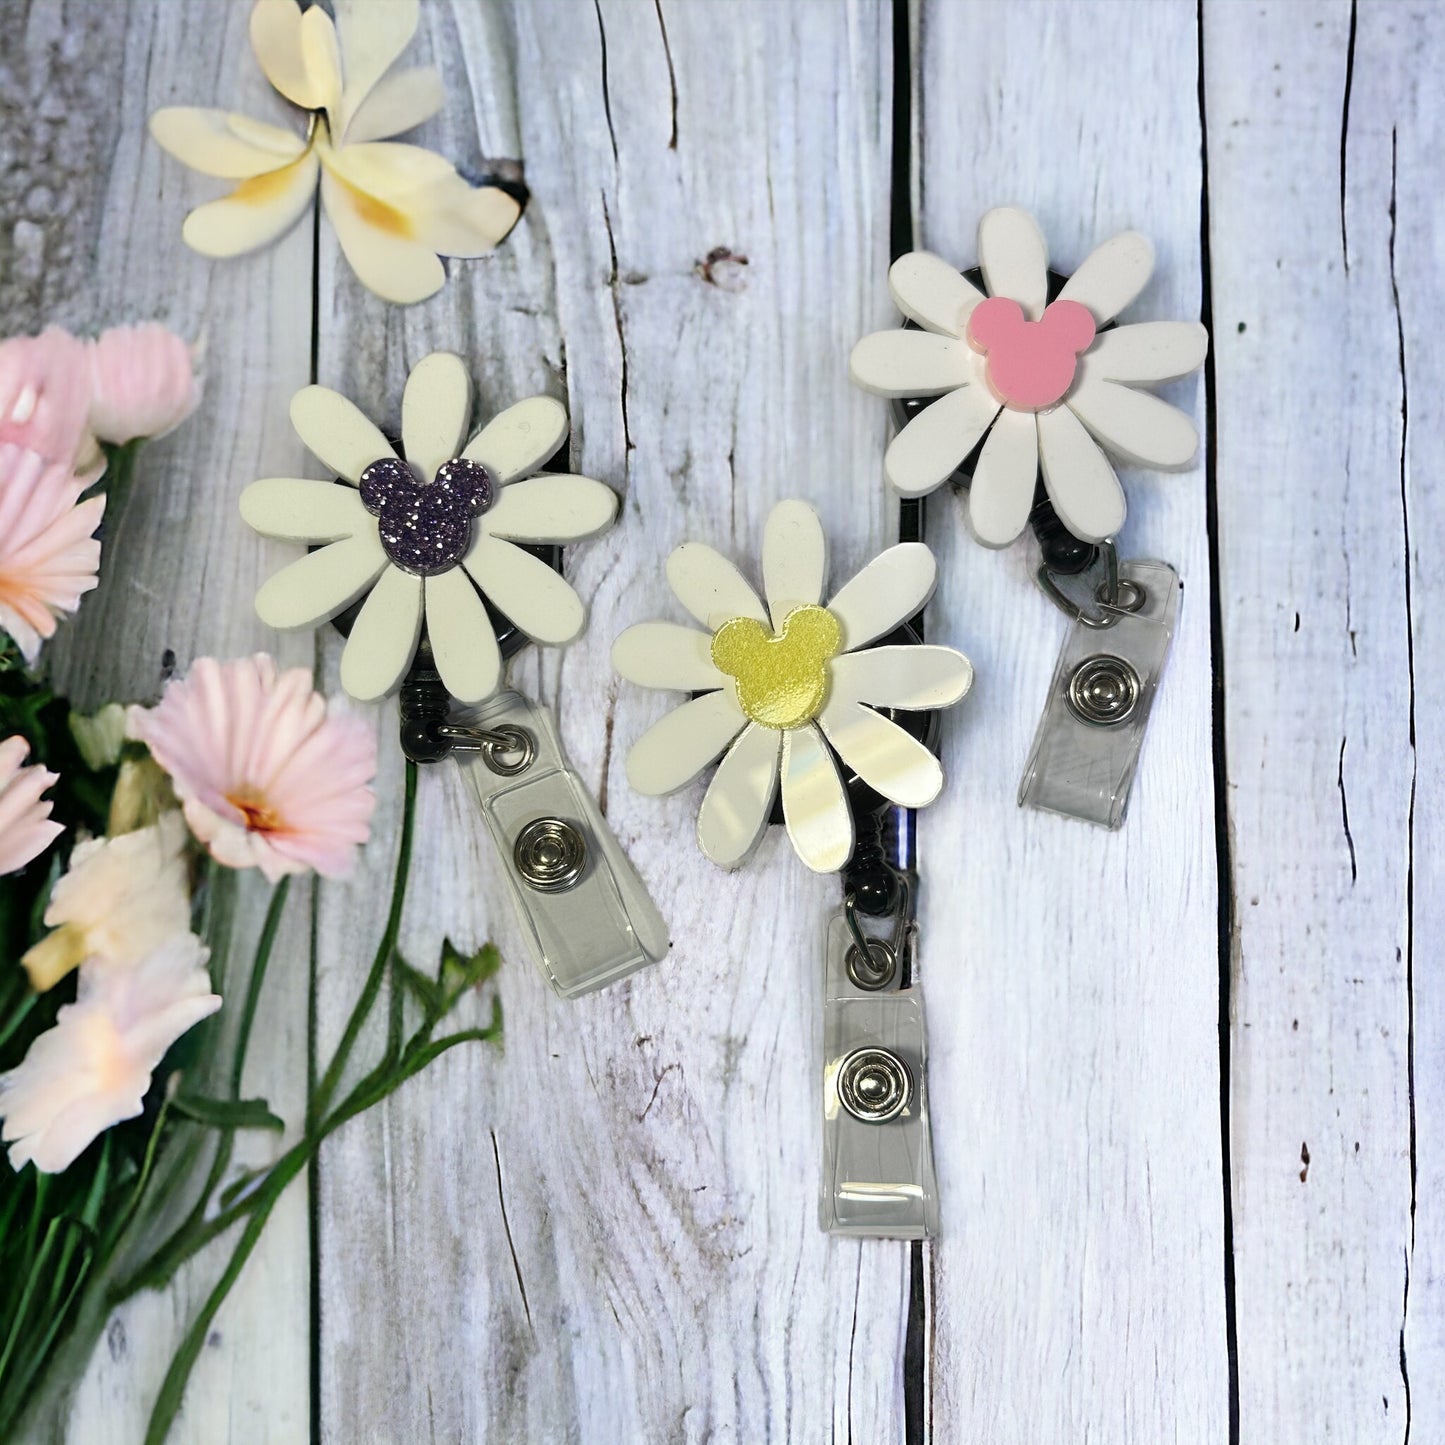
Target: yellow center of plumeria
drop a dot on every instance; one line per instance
(263, 189)
(781, 678)
(260, 817)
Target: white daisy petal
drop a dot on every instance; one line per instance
(461, 637)
(336, 432)
(376, 240)
(294, 509)
(666, 655)
(795, 559)
(911, 363)
(224, 143)
(521, 439)
(926, 289)
(531, 595)
(893, 587)
(383, 637)
(322, 583)
(676, 748)
(1135, 426)
(928, 450)
(1150, 351)
(1078, 478)
(1111, 275)
(735, 809)
(710, 587)
(255, 213)
(553, 507)
(398, 103)
(913, 676)
(815, 803)
(888, 759)
(1001, 494)
(435, 410)
(1015, 258)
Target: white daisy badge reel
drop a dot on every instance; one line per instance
(826, 699)
(444, 554)
(1015, 381)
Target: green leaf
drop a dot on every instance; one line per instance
(227, 1113)
(426, 990)
(457, 971)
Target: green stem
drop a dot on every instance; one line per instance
(332, 1077)
(265, 944)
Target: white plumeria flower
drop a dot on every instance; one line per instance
(1037, 382)
(394, 207)
(417, 534)
(781, 683)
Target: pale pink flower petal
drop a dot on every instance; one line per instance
(45, 394)
(49, 556)
(120, 899)
(94, 1068)
(25, 827)
(269, 775)
(143, 382)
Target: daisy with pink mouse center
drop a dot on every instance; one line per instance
(1037, 388)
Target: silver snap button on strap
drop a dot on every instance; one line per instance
(874, 1085)
(1103, 690)
(550, 854)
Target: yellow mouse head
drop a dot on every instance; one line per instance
(781, 680)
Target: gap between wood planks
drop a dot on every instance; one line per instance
(1223, 843)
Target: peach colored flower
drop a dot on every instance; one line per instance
(143, 382)
(268, 774)
(45, 398)
(94, 1068)
(49, 555)
(119, 901)
(25, 827)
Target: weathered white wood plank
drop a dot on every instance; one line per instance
(608, 1232)
(1072, 973)
(179, 570)
(1312, 295)
(1416, 52)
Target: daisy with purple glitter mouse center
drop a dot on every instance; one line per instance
(424, 536)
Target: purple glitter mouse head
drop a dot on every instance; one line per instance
(426, 527)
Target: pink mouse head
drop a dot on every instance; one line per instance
(1030, 363)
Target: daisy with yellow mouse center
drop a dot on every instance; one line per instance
(787, 684)
(424, 538)
(395, 207)
(1041, 385)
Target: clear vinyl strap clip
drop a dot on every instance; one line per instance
(878, 1179)
(586, 914)
(1086, 749)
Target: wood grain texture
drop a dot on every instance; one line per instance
(179, 572)
(1320, 237)
(609, 1233)
(606, 1230)
(1072, 973)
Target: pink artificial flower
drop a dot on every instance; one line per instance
(25, 827)
(94, 1068)
(45, 398)
(142, 382)
(267, 774)
(49, 555)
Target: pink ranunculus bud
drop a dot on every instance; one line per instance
(45, 391)
(143, 382)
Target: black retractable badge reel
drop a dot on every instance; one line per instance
(1014, 383)
(820, 713)
(439, 558)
